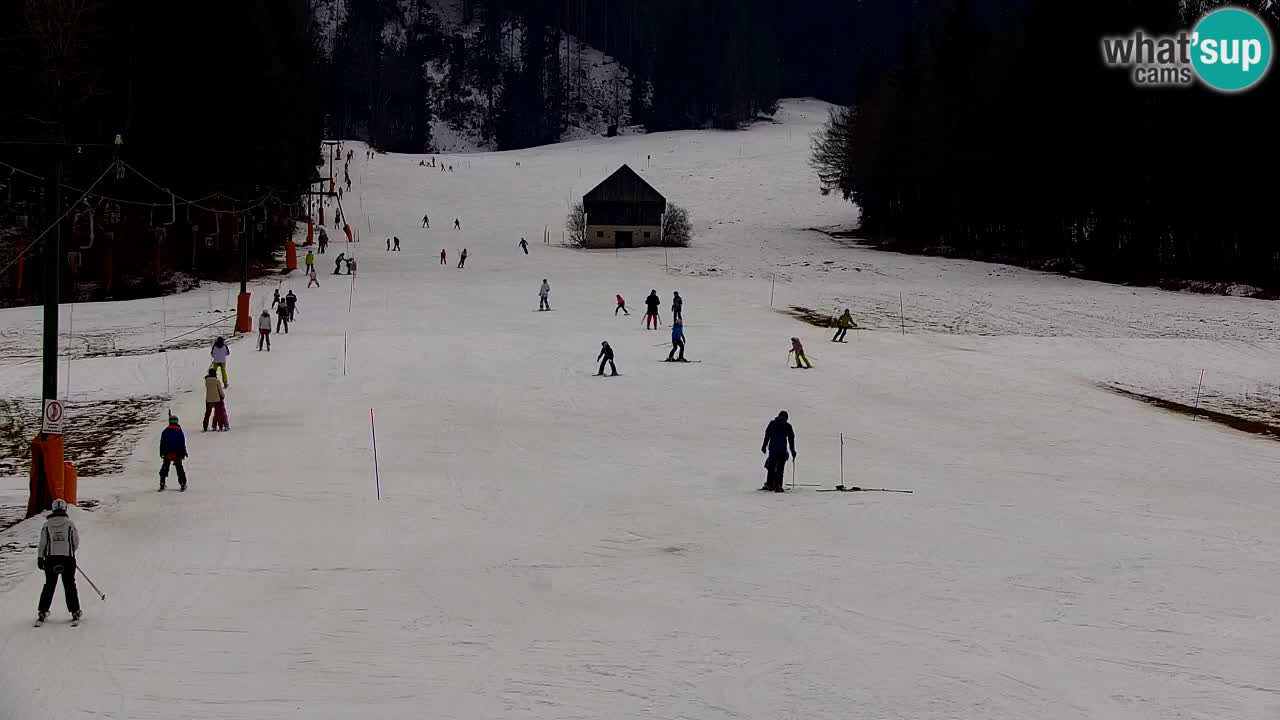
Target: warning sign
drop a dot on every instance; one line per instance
(51, 422)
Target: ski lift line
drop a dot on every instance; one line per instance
(17, 169)
(36, 241)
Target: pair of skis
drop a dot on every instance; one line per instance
(842, 488)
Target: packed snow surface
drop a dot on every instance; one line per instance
(549, 544)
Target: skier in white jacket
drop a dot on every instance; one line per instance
(543, 292)
(59, 541)
(264, 330)
(219, 353)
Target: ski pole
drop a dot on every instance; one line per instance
(91, 583)
(793, 473)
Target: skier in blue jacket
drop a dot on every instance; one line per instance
(173, 449)
(677, 342)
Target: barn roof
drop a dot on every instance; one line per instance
(624, 185)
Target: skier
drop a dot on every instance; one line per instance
(426, 222)
(337, 263)
(843, 323)
(282, 318)
(219, 353)
(606, 356)
(311, 262)
(677, 308)
(291, 302)
(312, 279)
(777, 436)
(264, 330)
(524, 246)
(651, 314)
(802, 360)
(677, 342)
(396, 241)
(622, 305)
(388, 245)
(462, 259)
(457, 224)
(443, 261)
(351, 266)
(173, 450)
(213, 395)
(543, 292)
(324, 240)
(59, 541)
(275, 300)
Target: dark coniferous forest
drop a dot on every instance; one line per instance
(969, 127)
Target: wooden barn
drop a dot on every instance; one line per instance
(624, 211)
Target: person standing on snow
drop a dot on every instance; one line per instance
(606, 356)
(388, 245)
(313, 280)
(264, 330)
(462, 259)
(173, 450)
(457, 224)
(677, 342)
(802, 360)
(524, 246)
(275, 299)
(843, 323)
(651, 314)
(777, 436)
(622, 305)
(338, 262)
(426, 222)
(443, 261)
(59, 541)
(219, 353)
(677, 308)
(213, 395)
(291, 302)
(324, 240)
(396, 245)
(310, 261)
(543, 292)
(282, 318)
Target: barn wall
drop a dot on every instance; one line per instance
(603, 236)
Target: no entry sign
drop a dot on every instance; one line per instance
(51, 422)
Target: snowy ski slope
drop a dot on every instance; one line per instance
(555, 545)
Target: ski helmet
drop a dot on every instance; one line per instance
(59, 505)
(173, 419)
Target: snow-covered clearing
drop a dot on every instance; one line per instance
(555, 545)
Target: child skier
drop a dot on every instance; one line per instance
(173, 449)
(651, 314)
(802, 361)
(543, 292)
(677, 342)
(313, 280)
(213, 395)
(606, 356)
(264, 330)
(622, 305)
(219, 353)
(843, 323)
(59, 541)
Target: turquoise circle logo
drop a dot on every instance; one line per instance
(1231, 49)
